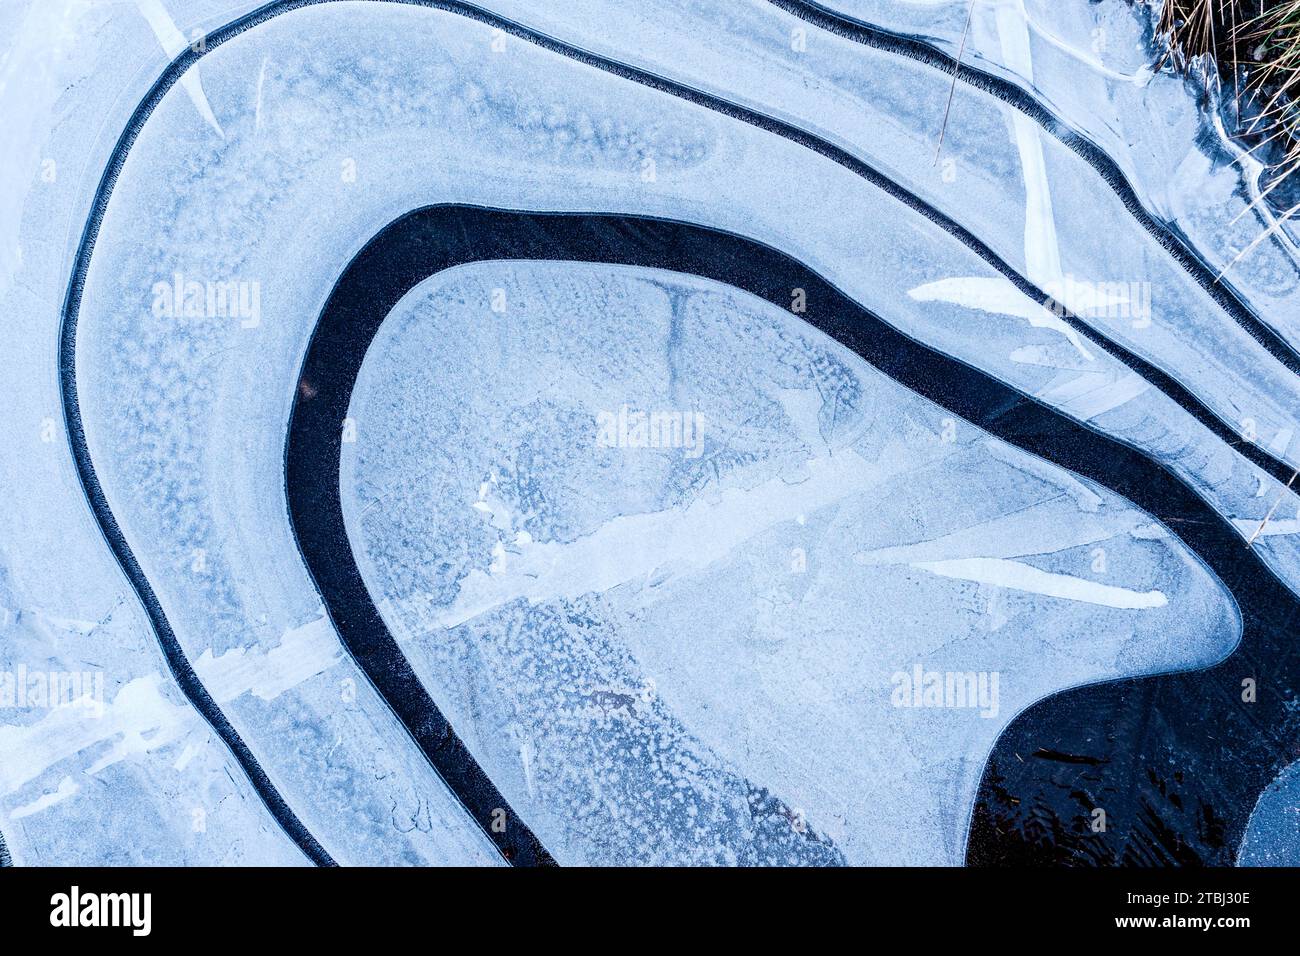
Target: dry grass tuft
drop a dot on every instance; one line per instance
(1276, 78)
(1263, 36)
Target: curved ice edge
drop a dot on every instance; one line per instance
(1266, 832)
(1173, 241)
(451, 235)
(179, 665)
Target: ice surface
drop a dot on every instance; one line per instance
(148, 776)
(636, 641)
(140, 779)
(1059, 222)
(1273, 837)
(283, 150)
(1090, 63)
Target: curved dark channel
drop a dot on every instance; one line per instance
(1120, 736)
(181, 670)
(1167, 383)
(1173, 242)
(178, 664)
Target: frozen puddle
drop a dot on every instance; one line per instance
(693, 583)
(696, 584)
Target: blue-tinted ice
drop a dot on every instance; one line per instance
(678, 654)
(657, 548)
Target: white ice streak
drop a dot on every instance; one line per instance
(67, 788)
(634, 547)
(1026, 577)
(982, 554)
(142, 717)
(173, 42)
(302, 653)
(997, 295)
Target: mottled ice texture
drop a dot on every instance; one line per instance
(889, 109)
(244, 173)
(147, 782)
(685, 654)
(1091, 65)
(1057, 222)
(1273, 835)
